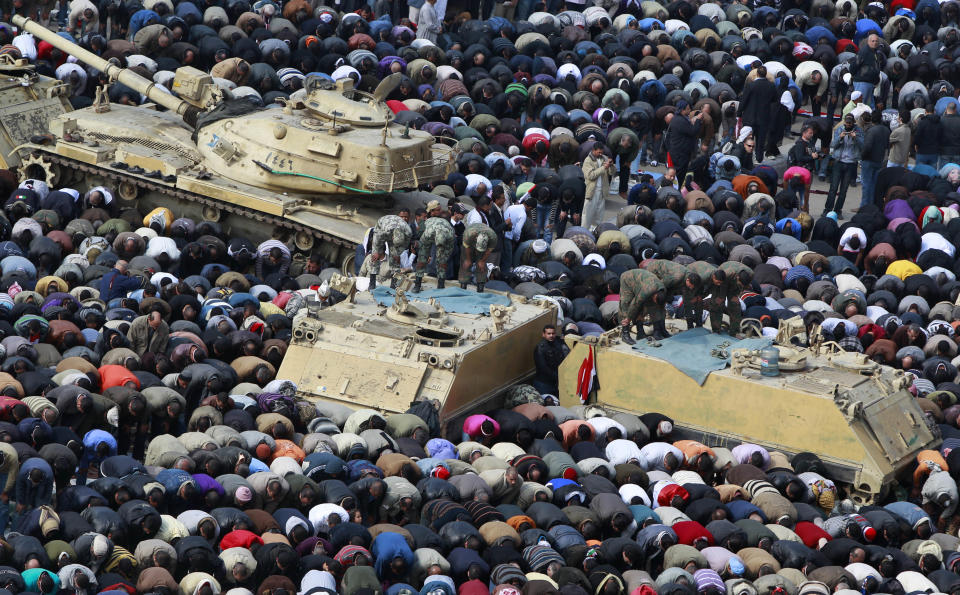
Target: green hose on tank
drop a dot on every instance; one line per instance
(268, 169)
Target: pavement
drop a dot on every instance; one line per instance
(818, 191)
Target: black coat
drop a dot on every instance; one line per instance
(682, 139)
(755, 104)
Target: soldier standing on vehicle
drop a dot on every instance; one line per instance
(438, 232)
(479, 240)
(641, 293)
(696, 288)
(392, 234)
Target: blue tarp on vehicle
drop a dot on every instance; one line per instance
(451, 299)
(691, 351)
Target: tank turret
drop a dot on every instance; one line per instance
(323, 167)
(28, 102)
(147, 88)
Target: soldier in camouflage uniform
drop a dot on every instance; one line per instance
(726, 284)
(436, 231)
(673, 276)
(696, 287)
(390, 232)
(641, 293)
(670, 273)
(478, 242)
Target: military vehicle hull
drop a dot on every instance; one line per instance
(364, 355)
(855, 417)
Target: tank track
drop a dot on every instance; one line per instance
(142, 183)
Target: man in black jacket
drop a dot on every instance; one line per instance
(867, 68)
(804, 152)
(874, 156)
(548, 356)
(758, 100)
(682, 138)
(926, 138)
(949, 136)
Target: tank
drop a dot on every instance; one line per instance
(316, 173)
(28, 102)
(855, 414)
(364, 355)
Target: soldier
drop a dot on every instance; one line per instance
(726, 284)
(670, 273)
(696, 286)
(641, 293)
(435, 231)
(479, 240)
(391, 233)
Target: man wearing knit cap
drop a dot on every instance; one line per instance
(508, 574)
(813, 588)
(439, 238)
(243, 496)
(542, 558)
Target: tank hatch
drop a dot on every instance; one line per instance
(341, 103)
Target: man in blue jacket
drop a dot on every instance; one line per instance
(117, 282)
(34, 484)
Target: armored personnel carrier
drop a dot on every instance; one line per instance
(28, 102)
(367, 355)
(855, 414)
(319, 171)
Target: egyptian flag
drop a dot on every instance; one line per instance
(586, 377)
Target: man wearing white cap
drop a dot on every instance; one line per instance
(856, 98)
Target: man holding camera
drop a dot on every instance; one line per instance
(597, 169)
(845, 148)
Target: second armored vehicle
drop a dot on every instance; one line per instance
(856, 415)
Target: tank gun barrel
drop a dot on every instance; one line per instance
(125, 76)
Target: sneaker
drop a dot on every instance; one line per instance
(653, 163)
(823, 177)
(840, 216)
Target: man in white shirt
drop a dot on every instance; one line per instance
(480, 213)
(515, 217)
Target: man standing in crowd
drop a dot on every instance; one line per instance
(846, 149)
(868, 67)
(876, 138)
(756, 107)
(682, 139)
(597, 169)
(547, 357)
